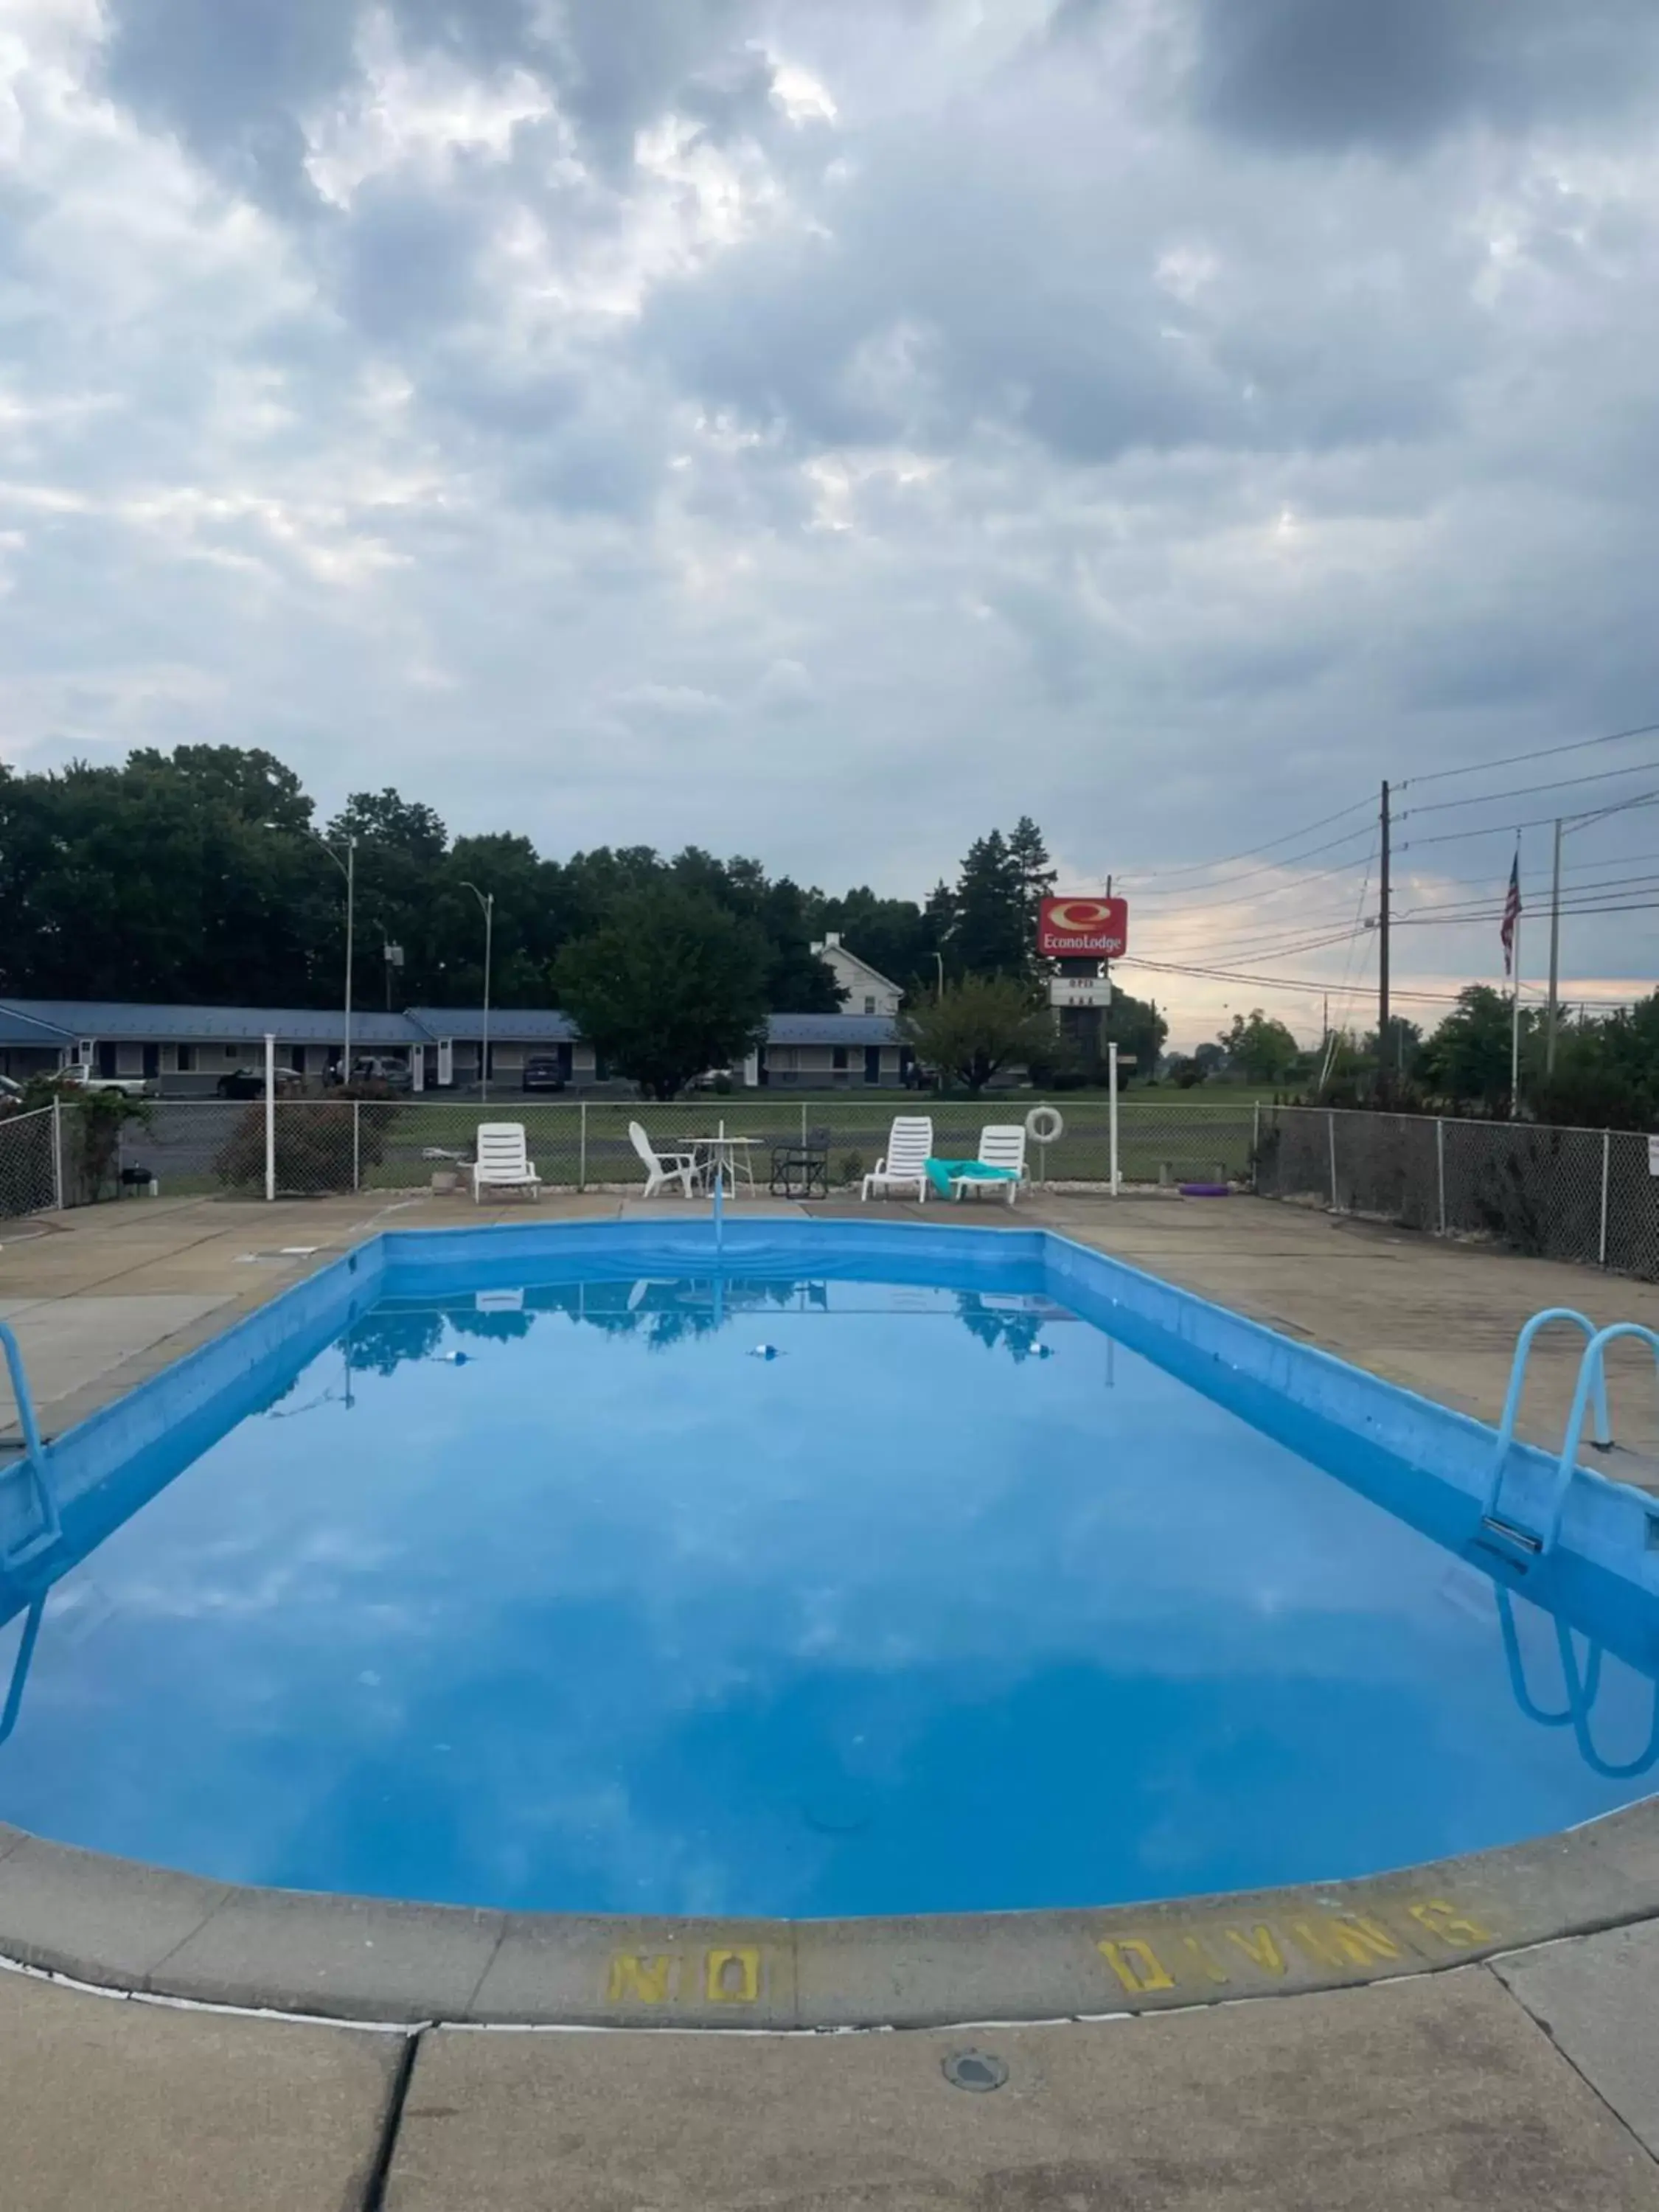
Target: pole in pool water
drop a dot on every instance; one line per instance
(719, 1212)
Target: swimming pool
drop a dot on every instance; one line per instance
(859, 1572)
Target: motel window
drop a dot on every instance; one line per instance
(186, 1059)
(838, 1057)
(869, 1002)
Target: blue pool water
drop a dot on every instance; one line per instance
(808, 1597)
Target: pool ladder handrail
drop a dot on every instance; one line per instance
(1592, 1382)
(34, 1459)
(1582, 1692)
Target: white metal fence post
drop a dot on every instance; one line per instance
(1330, 1123)
(1256, 1139)
(582, 1149)
(1440, 1169)
(357, 1143)
(803, 1125)
(1606, 1163)
(1111, 1083)
(57, 1154)
(270, 1117)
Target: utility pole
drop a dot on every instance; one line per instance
(1382, 957)
(1555, 954)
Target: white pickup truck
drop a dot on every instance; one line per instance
(79, 1077)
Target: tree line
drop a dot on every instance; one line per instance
(202, 877)
(1603, 1073)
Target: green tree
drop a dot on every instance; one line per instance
(990, 936)
(668, 984)
(1136, 1026)
(1037, 877)
(980, 1025)
(1259, 1049)
(1468, 1058)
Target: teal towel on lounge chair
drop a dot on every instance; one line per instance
(939, 1173)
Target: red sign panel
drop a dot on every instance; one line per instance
(1082, 928)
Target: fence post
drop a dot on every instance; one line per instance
(357, 1143)
(803, 1125)
(581, 1150)
(1256, 1139)
(1440, 1169)
(1330, 1123)
(57, 1154)
(1607, 1161)
(270, 1117)
(1111, 1080)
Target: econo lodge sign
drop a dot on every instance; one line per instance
(1082, 928)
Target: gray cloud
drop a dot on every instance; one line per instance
(1306, 74)
(612, 420)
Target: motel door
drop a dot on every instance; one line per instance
(872, 1063)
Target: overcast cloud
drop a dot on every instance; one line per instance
(826, 427)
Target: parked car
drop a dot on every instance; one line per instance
(79, 1077)
(10, 1091)
(542, 1072)
(370, 1068)
(250, 1082)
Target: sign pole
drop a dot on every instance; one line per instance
(1111, 1077)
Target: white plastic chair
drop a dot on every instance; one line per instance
(500, 1162)
(904, 1163)
(663, 1168)
(1001, 1145)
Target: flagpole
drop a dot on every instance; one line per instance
(1515, 1009)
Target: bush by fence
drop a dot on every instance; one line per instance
(1582, 1194)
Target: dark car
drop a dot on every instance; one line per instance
(542, 1072)
(250, 1082)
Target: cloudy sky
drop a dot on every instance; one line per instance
(828, 428)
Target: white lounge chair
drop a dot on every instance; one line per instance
(1001, 1145)
(499, 1163)
(903, 1166)
(663, 1168)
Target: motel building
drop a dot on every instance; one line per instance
(187, 1051)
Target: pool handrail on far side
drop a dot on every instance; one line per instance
(34, 1459)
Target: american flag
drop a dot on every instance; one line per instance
(1511, 914)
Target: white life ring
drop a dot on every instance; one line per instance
(1045, 1125)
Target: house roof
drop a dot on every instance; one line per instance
(16, 1028)
(831, 1029)
(508, 1024)
(826, 951)
(107, 1018)
(61, 1021)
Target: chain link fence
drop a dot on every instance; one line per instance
(29, 1170)
(326, 1145)
(1583, 1194)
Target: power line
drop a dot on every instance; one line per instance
(1544, 752)
(1526, 790)
(1258, 898)
(1288, 861)
(1249, 852)
(1509, 829)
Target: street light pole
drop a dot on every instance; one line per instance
(487, 900)
(940, 958)
(347, 868)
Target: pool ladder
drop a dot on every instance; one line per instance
(34, 1461)
(1592, 1384)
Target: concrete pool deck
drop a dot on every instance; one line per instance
(1524, 2079)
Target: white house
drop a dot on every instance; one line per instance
(867, 990)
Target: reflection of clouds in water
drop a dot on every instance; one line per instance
(657, 1621)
